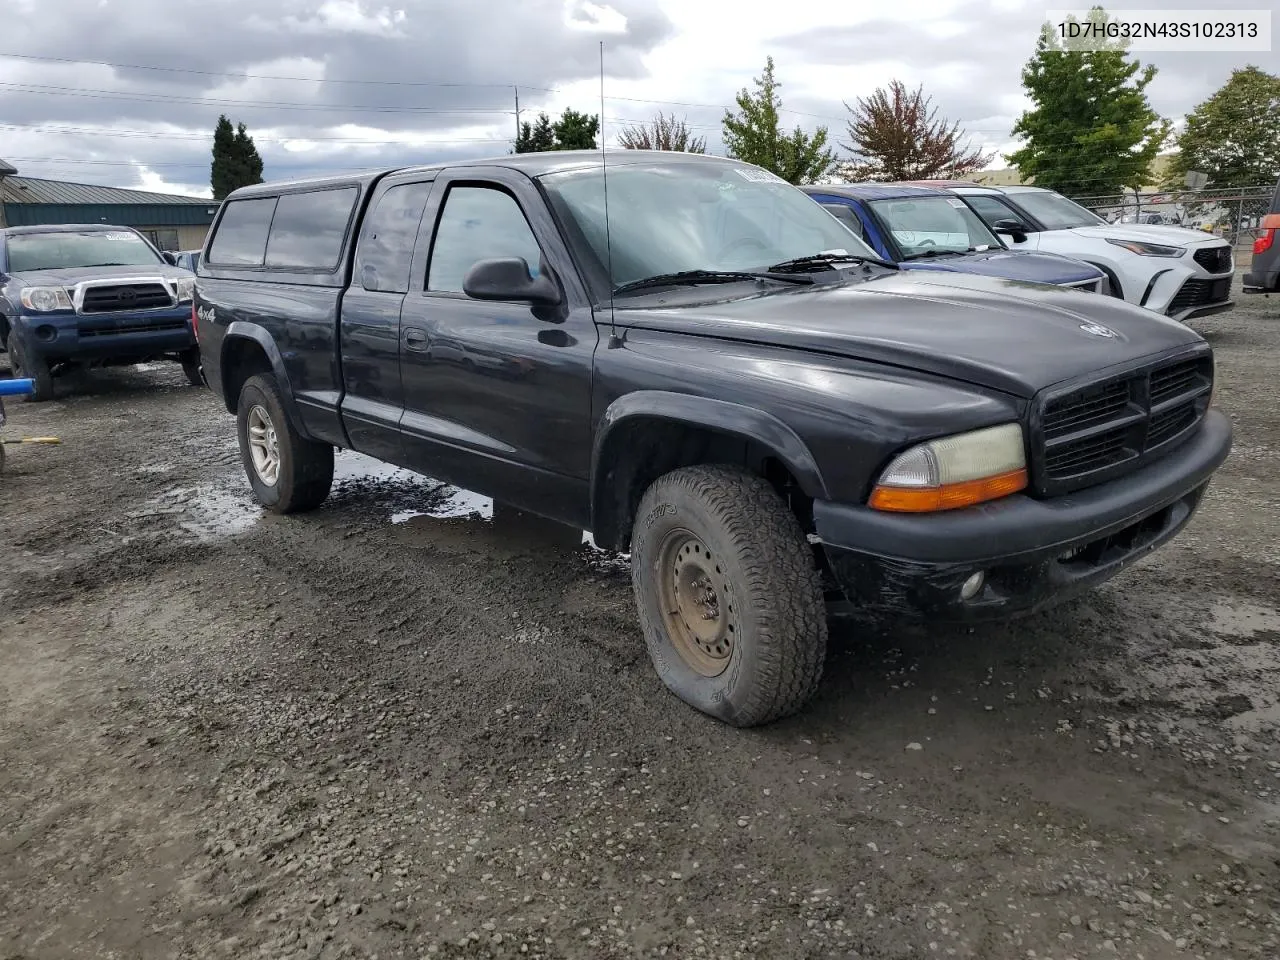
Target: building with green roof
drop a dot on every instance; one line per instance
(170, 221)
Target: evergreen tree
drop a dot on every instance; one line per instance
(577, 131)
(537, 137)
(754, 134)
(235, 159)
(1092, 130)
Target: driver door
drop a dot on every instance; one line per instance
(497, 395)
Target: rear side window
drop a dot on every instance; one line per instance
(309, 228)
(241, 240)
(385, 255)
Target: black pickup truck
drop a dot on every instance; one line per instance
(693, 360)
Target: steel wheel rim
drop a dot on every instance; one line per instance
(264, 445)
(696, 602)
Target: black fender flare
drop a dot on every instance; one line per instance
(700, 412)
(243, 330)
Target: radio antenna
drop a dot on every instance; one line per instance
(604, 177)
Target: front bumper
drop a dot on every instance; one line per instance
(102, 336)
(1034, 554)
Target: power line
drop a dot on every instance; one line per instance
(141, 97)
(258, 76)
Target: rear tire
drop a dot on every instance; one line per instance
(37, 370)
(288, 473)
(730, 599)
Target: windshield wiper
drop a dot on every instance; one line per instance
(824, 260)
(925, 254)
(113, 263)
(702, 276)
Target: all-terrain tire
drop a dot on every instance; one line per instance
(305, 467)
(36, 370)
(759, 556)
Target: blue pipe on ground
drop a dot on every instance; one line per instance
(16, 388)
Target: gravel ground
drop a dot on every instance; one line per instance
(394, 728)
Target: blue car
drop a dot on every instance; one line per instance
(920, 228)
(91, 294)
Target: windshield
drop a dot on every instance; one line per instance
(1055, 211)
(91, 248)
(669, 217)
(942, 224)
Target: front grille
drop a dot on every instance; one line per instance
(86, 330)
(1094, 432)
(1198, 293)
(1089, 286)
(1215, 259)
(133, 296)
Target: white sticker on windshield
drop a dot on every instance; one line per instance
(756, 175)
(118, 235)
(956, 202)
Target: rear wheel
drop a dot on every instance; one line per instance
(37, 370)
(288, 473)
(729, 596)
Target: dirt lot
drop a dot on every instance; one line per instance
(390, 729)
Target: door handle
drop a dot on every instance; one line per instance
(415, 339)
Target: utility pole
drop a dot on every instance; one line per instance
(517, 92)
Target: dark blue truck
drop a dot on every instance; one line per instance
(98, 295)
(923, 228)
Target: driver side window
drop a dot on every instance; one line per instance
(478, 223)
(850, 219)
(990, 209)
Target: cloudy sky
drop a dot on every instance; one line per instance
(126, 92)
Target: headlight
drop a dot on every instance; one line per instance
(44, 299)
(185, 288)
(956, 471)
(1148, 249)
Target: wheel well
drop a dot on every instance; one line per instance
(1117, 290)
(4, 331)
(640, 451)
(242, 359)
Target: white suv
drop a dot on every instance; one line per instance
(1174, 271)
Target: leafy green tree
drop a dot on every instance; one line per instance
(663, 133)
(577, 131)
(1092, 130)
(236, 162)
(754, 134)
(573, 131)
(1234, 136)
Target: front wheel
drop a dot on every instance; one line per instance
(36, 370)
(288, 473)
(729, 597)
(191, 366)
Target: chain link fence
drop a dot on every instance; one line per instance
(1233, 214)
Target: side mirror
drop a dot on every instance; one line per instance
(169, 258)
(1015, 228)
(508, 278)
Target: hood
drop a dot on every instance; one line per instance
(1012, 265)
(1002, 334)
(1149, 233)
(70, 276)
